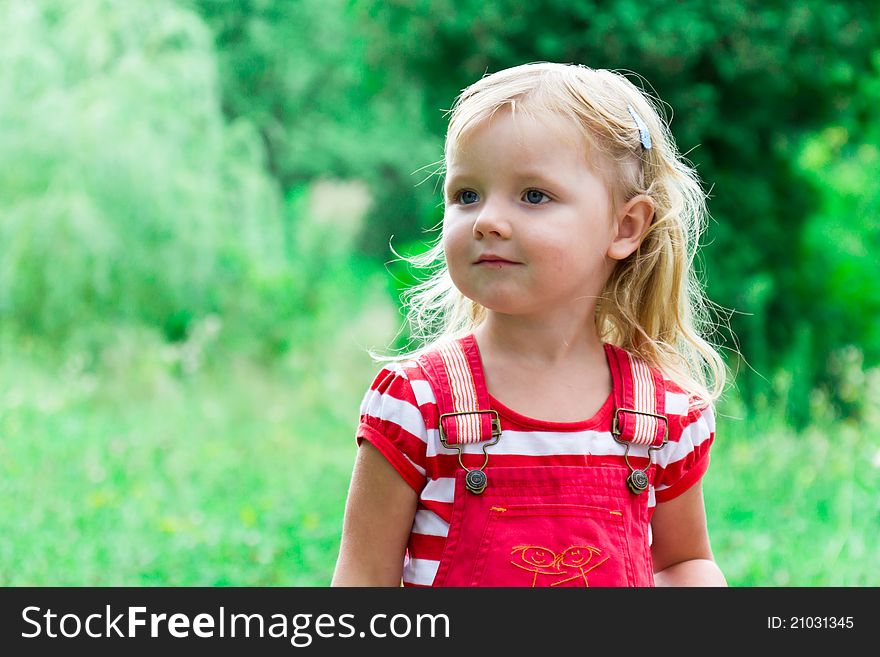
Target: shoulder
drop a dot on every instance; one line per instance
(403, 380)
(410, 379)
(400, 394)
(683, 409)
(680, 407)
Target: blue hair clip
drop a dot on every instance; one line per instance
(644, 135)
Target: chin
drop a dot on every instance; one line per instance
(493, 297)
(501, 306)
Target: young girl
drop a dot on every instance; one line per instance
(554, 429)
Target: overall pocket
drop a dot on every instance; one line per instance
(552, 545)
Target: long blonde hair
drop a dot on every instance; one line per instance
(652, 304)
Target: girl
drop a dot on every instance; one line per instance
(564, 291)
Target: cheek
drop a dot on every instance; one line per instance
(450, 244)
(455, 250)
(559, 255)
(579, 256)
(457, 233)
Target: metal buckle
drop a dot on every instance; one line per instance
(496, 426)
(615, 427)
(637, 481)
(475, 480)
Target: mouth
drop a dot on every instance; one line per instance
(494, 260)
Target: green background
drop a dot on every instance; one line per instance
(198, 201)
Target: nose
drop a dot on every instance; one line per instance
(492, 220)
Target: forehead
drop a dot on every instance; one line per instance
(519, 124)
(518, 140)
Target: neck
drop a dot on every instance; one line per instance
(538, 343)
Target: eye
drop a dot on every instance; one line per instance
(535, 197)
(467, 197)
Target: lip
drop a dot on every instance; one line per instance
(492, 259)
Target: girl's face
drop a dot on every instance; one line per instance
(521, 190)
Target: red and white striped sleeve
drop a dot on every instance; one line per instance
(685, 459)
(390, 419)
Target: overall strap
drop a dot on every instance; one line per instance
(456, 376)
(639, 400)
(639, 410)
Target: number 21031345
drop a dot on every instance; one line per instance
(810, 622)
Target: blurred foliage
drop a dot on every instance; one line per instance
(131, 198)
(163, 151)
(143, 463)
(841, 241)
(299, 71)
(196, 203)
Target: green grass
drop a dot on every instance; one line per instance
(235, 474)
(789, 509)
(139, 463)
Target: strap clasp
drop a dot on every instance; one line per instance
(475, 480)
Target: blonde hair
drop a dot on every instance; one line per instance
(652, 304)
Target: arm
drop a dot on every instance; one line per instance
(680, 548)
(379, 514)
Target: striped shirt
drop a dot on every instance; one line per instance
(399, 416)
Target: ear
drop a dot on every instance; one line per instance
(632, 222)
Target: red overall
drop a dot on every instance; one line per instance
(546, 525)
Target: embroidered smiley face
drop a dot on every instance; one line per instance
(571, 564)
(578, 556)
(537, 556)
